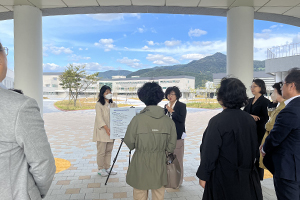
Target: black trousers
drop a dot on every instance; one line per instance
(287, 189)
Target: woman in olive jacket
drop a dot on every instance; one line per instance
(151, 133)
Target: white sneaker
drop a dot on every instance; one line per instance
(113, 172)
(102, 172)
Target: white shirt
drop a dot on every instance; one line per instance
(290, 99)
(168, 113)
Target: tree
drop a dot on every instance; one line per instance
(76, 80)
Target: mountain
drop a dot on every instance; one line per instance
(110, 73)
(201, 69)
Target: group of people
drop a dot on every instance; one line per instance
(236, 145)
(248, 136)
(151, 133)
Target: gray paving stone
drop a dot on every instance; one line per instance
(78, 125)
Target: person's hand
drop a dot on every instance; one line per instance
(256, 118)
(169, 109)
(107, 130)
(260, 149)
(202, 183)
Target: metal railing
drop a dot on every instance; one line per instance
(283, 51)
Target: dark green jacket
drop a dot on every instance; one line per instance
(150, 133)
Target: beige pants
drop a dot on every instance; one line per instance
(104, 150)
(157, 194)
(179, 152)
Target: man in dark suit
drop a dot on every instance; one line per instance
(282, 146)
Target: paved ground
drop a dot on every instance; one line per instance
(70, 135)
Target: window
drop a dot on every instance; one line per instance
(55, 78)
(54, 85)
(47, 85)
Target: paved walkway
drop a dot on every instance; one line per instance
(70, 135)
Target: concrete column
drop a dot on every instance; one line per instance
(28, 50)
(278, 77)
(240, 44)
(284, 74)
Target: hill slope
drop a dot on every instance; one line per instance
(201, 69)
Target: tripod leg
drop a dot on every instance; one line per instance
(115, 159)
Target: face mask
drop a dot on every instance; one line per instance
(273, 96)
(108, 96)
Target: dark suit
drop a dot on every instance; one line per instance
(178, 117)
(283, 147)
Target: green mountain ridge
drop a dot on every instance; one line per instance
(201, 69)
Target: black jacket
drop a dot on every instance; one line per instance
(178, 117)
(260, 109)
(282, 145)
(228, 151)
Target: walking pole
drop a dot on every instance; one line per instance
(115, 159)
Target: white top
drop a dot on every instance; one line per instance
(290, 99)
(168, 113)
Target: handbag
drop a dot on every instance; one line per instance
(173, 171)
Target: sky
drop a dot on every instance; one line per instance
(136, 41)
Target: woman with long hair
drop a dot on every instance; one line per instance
(102, 131)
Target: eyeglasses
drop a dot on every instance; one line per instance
(5, 49)
(284, 83)
(253, 86)
(171, 94)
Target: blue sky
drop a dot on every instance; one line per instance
(136, 41)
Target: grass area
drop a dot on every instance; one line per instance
(81, 104)
(203, 105)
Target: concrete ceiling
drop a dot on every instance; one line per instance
(282, 11)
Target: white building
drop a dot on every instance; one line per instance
(267, 78)
(120, 86)
(52, 87)
(281, 59)
(8, 82)
(129, 86)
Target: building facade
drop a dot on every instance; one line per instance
(120, 86)
(130, 86)
(269, 79)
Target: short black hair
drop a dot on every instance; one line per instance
(260, 83)
(150, 93)
(101, 97)
(294, 77)
(278, 86)
(232, 93)
(174, 89)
